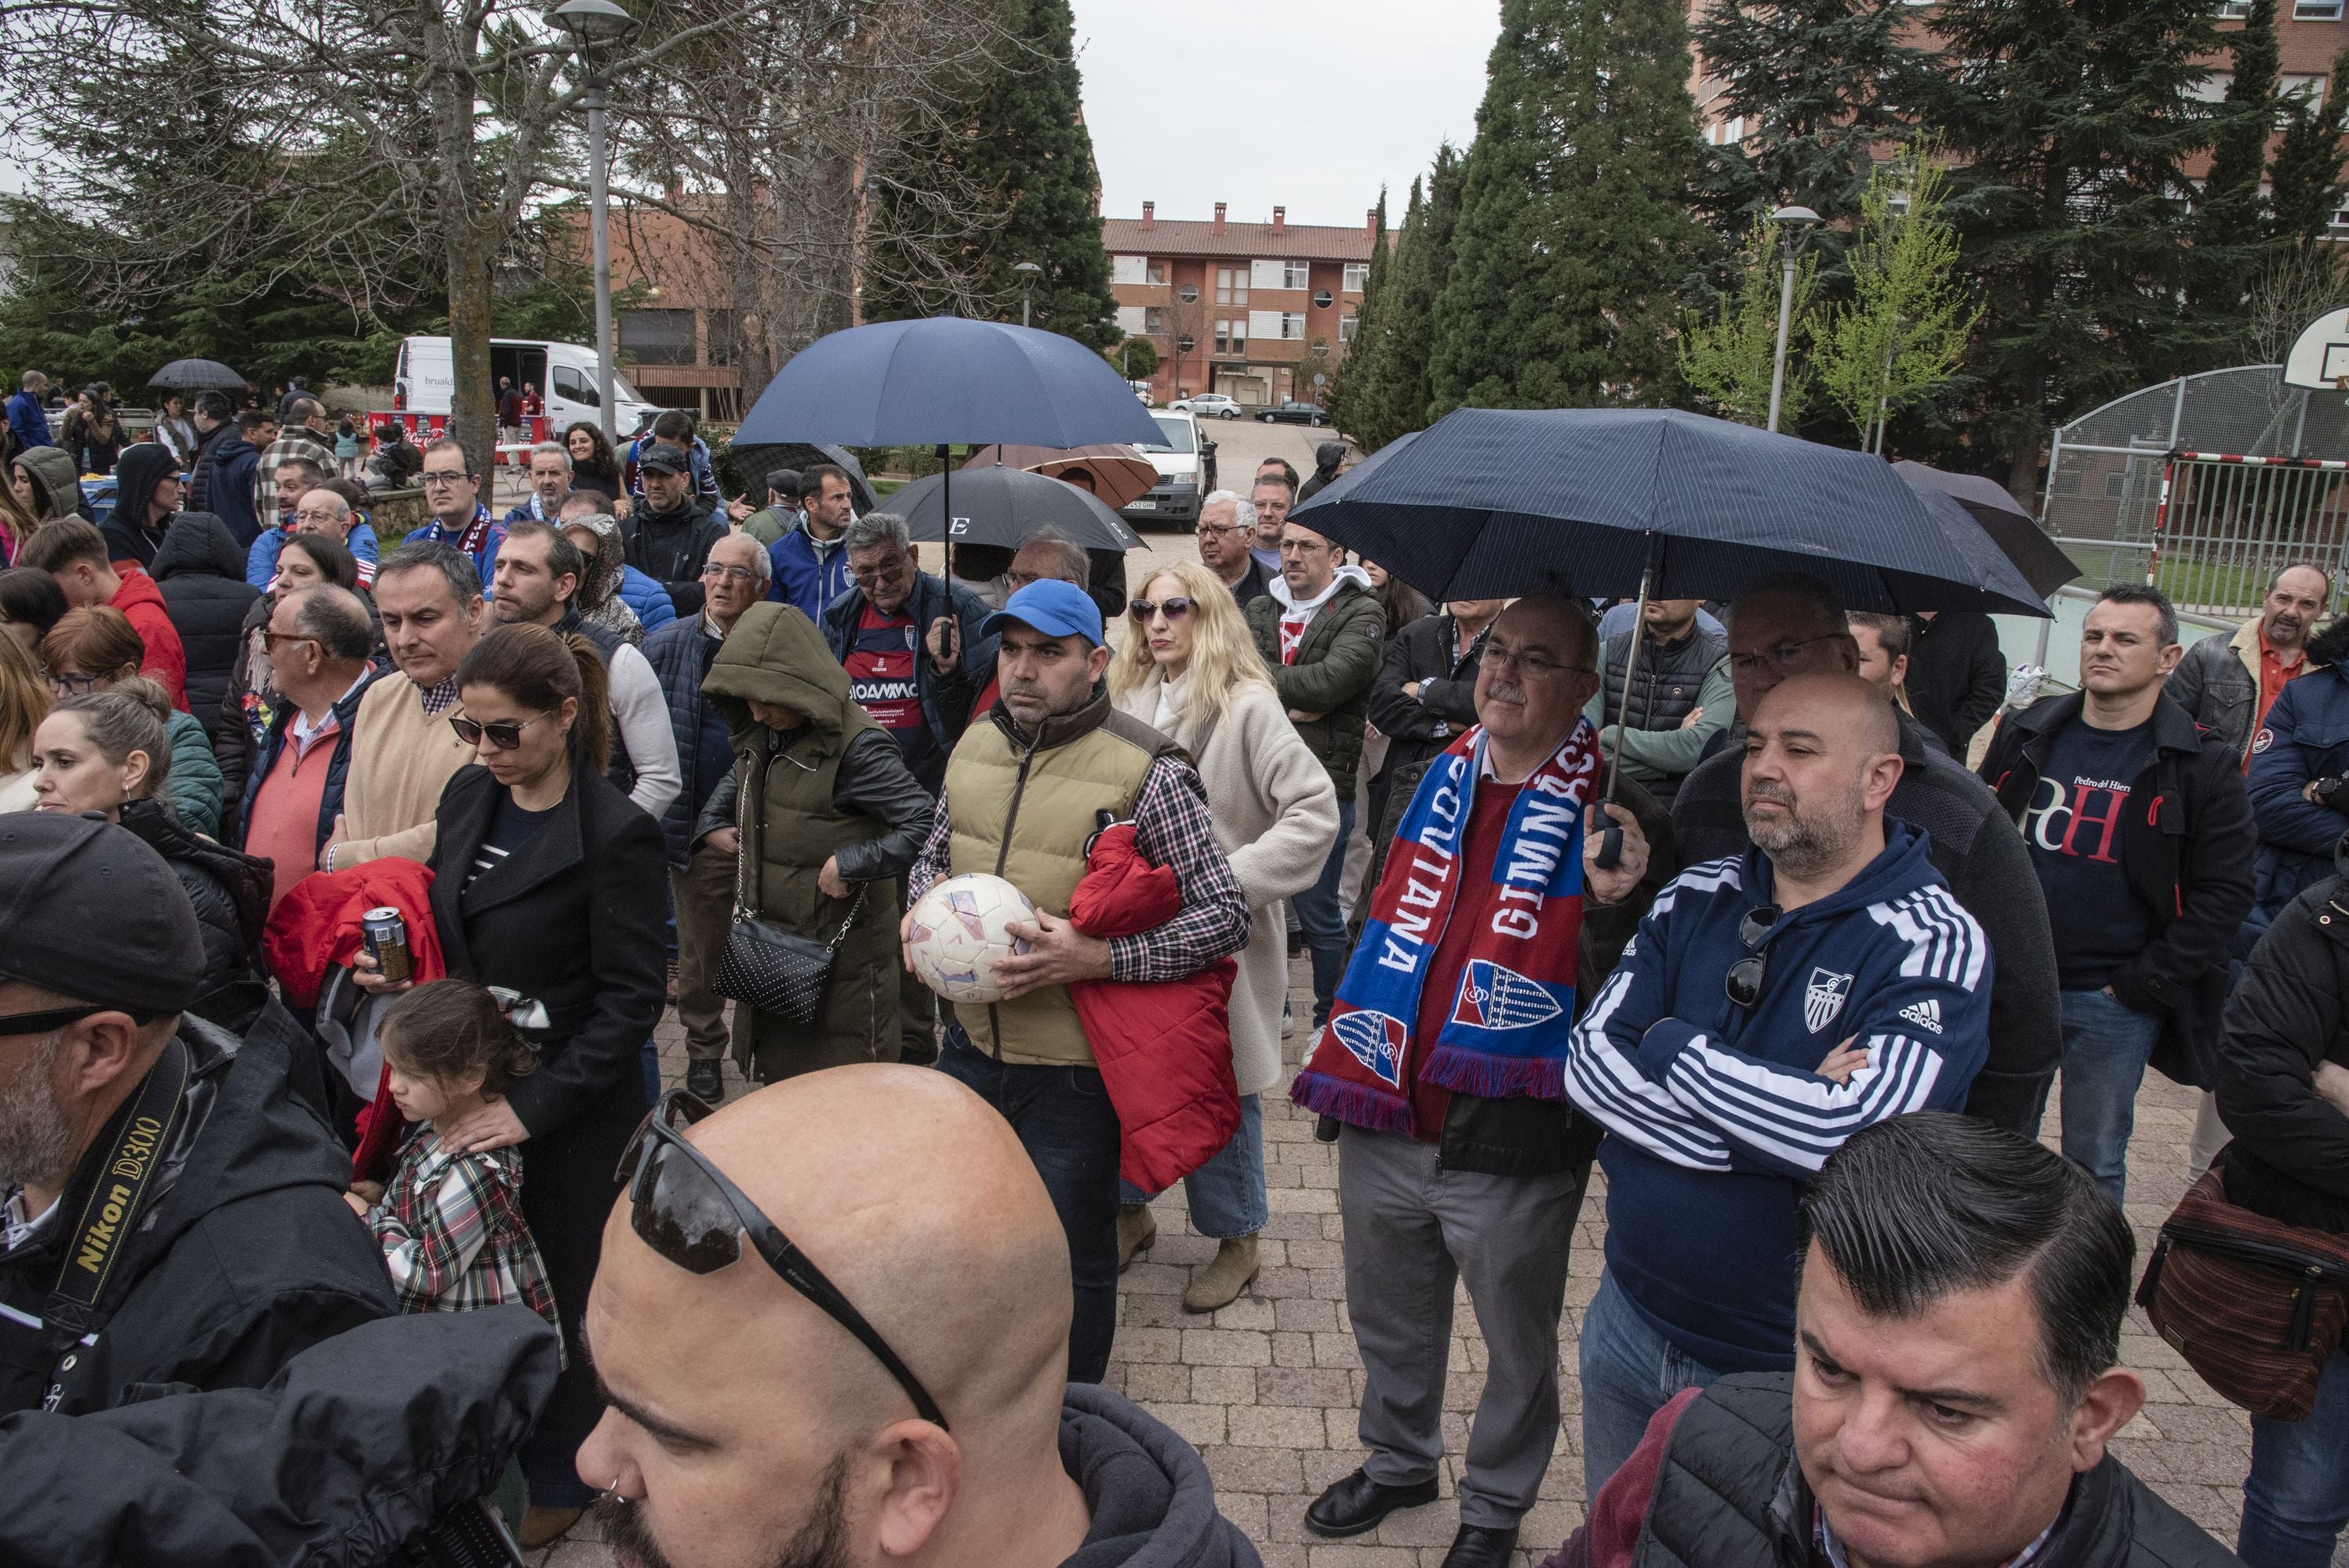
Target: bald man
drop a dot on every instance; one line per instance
(918, 1204)
(1772, 1004)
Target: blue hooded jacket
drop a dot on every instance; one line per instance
(2304, 738)
(807, 574)
(1717, 1112)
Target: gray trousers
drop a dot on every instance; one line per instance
(1412, 1231)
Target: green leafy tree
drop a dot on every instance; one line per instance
(1390, 393)
(2232, 241)
(2307, 173)
(2069, 129)
(1137, 357)
(1020, 142)
(1574, 233)
(1903, 333)
(1819, 84)
(1727, 361)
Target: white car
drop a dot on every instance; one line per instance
(1207, 405)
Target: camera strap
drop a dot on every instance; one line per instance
(136, 1139)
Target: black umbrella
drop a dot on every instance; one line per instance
(753, 461)
(1008, 507)
(2008, 522)
(197, 375)
(1488, 502)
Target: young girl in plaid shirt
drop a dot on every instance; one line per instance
(450, 1223)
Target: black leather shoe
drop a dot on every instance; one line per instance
(1357, 1503)
(1478, 1547)
(706, 1080)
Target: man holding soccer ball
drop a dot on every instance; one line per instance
(1023, 790)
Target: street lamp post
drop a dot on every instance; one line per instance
(1791, 222)
(598, 29)
(1028, 272)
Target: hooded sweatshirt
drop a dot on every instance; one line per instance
(200, 571)
(1297, 615)
(1146, 1489)
(600, 603)
(1717, 1112)
(53, 470)
(128, 535)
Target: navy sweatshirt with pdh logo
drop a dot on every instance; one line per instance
(1715, 1113)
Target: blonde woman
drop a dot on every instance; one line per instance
(1188, 668)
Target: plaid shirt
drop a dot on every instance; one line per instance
(452, 1234)
(299, 444)
(1171, 827)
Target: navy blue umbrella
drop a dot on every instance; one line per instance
(946, 379)
(1488, 502)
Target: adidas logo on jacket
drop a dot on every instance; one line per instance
(1715, 1113)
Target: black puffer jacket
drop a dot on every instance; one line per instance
(2288, 1014)
(348, 1451)
(200, 572)
(230, 891)
(245, 1256)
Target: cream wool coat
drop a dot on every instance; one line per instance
(1276, 815)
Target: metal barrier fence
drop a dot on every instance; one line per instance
(2204, 486)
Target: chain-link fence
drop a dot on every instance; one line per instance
(2205, 486)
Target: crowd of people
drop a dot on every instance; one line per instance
(348, 879)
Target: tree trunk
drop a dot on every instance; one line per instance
(473, 398)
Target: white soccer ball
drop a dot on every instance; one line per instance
(958, 934)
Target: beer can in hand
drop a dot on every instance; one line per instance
(385, 932)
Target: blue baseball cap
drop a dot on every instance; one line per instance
(1049, 605)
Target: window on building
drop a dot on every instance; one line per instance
(2316, 11)
(1153, 319)
(1231, 285)
(2339, 228)
(657, 336)
(2232, 10)
(1231, 335)
(1346, 326)
(1292, 325)
(717, 334)
(2212, 87)
(1293, 275)
(1358, 277)
(1128, 269)
(2307, 86)
(1157, 270)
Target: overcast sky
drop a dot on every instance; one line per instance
(1312, 104)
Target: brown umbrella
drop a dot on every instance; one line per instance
(1116, 473)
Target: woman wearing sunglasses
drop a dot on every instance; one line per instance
(1188, 667)
(95, 649)
(548, 881)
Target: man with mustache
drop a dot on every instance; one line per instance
(1771, 1006)
(2227, 683)
(1954, 1392)
(920, 1208)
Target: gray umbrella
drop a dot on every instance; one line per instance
(197, 375)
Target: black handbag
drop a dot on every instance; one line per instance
(766, 966)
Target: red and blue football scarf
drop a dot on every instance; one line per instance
(1504, 1033)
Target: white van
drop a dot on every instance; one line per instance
(1185, 461)
(563, 372)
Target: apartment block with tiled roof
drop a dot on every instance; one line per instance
(1254, 310)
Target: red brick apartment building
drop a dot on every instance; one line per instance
(2309, 33)
(1254, 310)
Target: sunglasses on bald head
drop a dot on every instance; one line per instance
(683, 1208)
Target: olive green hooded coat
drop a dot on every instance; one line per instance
(835, 786)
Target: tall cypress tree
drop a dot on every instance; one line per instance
(1395, 394)
(1574, 232)
(2069, 126)
(2307, 173)
(1361, 364)
(1820, 85)
(2230, 234)
(1026, 153)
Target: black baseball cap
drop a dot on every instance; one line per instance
(90, 911)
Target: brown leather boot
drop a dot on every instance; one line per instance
(1222, 1281)
(1136, 1233)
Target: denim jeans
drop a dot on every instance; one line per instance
(2106, 1046)
(2296, 1498)
(1325, 924)
(1063, 1119)
(1225, 1194)
(1629, 1371)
